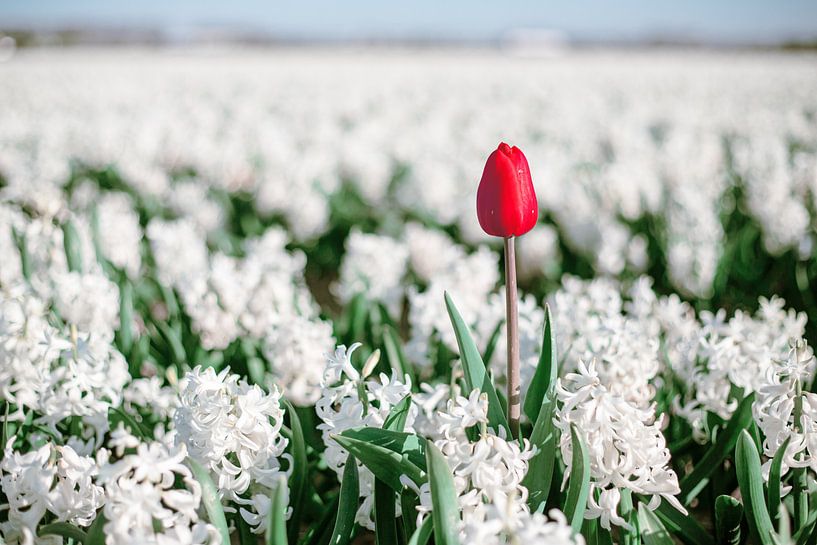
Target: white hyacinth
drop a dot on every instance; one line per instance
(234, 430)
(503, 522)
(341, 408)
(295, 349)
(626, 448)
(88, 301)
(373, 266)
(143, 504)
(49, 480)
(487, 469)
(779, 402)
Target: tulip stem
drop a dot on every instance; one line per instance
(511, 321)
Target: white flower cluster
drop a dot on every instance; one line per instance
(502, 523)
(119, 232)
(51, 480)
(144, 505)
(261, 296)
(87, 301)
(373, 266)
(57, 373)
(530, 323)
(784, 411)
(626, 448)
(488, 469)
(468, 279)
(341, 408)
(737, 353)
(234, 429)
(591, 323)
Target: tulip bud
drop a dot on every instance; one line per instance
(506, 201)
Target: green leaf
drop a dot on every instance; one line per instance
(695, 481)
(397, 359)
(210, 499)
(116, 414)
(750, 480)
(492, 341)
(445, 510)
(403, 443)
(63, 529)
(728, 515)
(322, 526)
(476, 377)
(73, 247)
(423, 533)
(651, 529)
(682, 525)
(277, 529)
(543, 383)
(25, 257)
(396, 419)
(96, 532)
(387, 465)
(408, 509)
(775, 480)
(579, 482)
(347, 504)
(385, 518)
(298, 480)
(540, 468)
(126, 317)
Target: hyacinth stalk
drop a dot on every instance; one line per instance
(507, 208)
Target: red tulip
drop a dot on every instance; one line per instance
(506, 201)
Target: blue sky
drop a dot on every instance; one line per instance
(726, 20)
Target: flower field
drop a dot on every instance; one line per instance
(245, 297)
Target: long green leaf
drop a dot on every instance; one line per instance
(540, 468)
(126, 316)
(728, 515)
(775, 481)
(544, 378)
(476, 377)
(96, 532)
(385, 518)
(694, 482)
(63, 529)
(277, 528)
(347, 505)
(396, 419)
(682, 525)
(73, 247)
(403, 443)
(490, 348)
(579, 482)
(651, 529)
(408, 511)
(299, 478)
(210, 499)
(137, 428)
(750, 480)
(423, 533)
(25, 257)
(398, 360)
(386, 464)
(445, 510)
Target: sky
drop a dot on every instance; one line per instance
(713, 20)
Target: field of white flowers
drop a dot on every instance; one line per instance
(245, 298)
